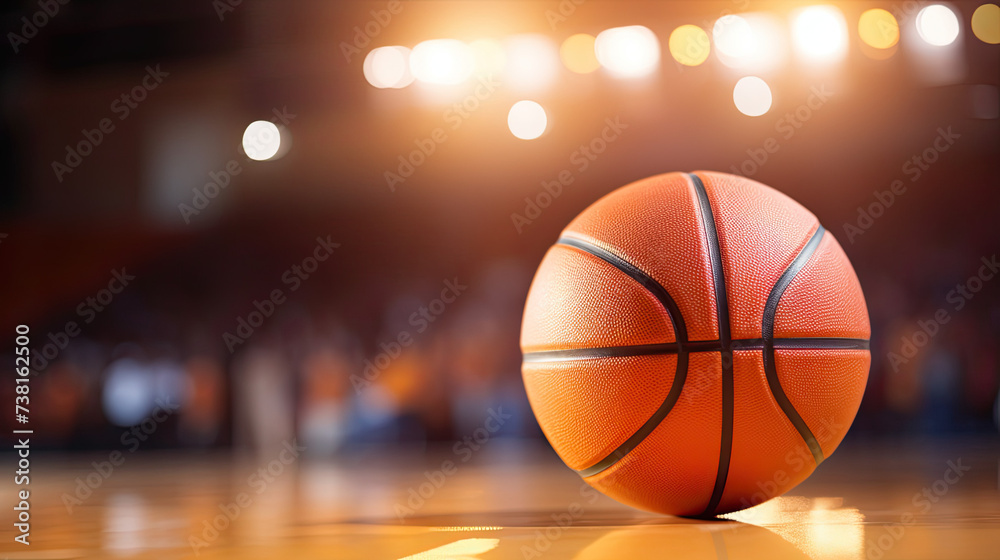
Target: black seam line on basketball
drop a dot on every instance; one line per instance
(715, 258)
(669, 348)
(680, 332)
(647, 282)
(647, 428)
(725, 341)
(767, 331)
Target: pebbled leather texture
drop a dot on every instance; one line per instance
(824, 299)
(609, 308)
(673, 469)
(654, 225)
(622, 392)
(826, 387)
(760, 232)
(769, 457)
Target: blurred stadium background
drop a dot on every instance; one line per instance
(207, 148)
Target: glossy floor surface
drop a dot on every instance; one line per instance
(508, 499)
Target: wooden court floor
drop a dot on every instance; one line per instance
(509, 499)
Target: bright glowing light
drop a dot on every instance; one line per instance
(752, 96)
(878, 28)
(465, 548)
(532, 62)
(487, 56)
(441, 61)
(834, 533)
(527, 120)
(628, 52)
(751, 43)
(261, 140)
(734, 37)
(128, 393)
(819, 34)
(388, 67)
(689, 45)
(937, 25)
(577, 53)
(986, 23)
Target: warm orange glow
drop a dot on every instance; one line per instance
(878, 28)
(986, 23)
(689, 45)
(628, 52)
(577, 53)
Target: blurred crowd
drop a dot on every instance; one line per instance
(431, 366)
(426, 362)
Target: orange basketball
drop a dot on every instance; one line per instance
(695, 344)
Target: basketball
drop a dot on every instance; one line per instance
(695, 344)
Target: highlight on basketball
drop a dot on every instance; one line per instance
(568, 279)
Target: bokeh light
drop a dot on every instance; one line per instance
(261, 140)
(986, 23)
(819, 34)
(128, 392)
(388, 67)
(577, 53)
(527, 120)
(878, 28)
(532, 62)
(733, 37)
(752, 96)
(751, 43)
(441, 61)
(689, 45)
(628, 52)
(937, 25)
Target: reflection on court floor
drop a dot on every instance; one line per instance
(512, 500)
